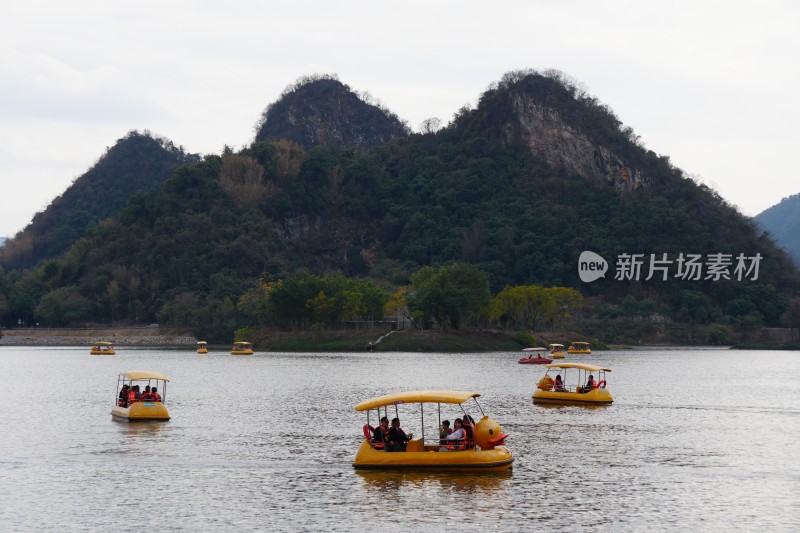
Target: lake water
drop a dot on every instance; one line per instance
(695, 440)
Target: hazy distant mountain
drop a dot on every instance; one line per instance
(782, 221)
(2, 240)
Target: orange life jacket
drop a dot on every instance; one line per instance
(457, 444)
(131, 396)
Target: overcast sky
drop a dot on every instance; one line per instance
(713, 85)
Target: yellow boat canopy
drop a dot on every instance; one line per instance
(242, 343)
(417, 396)
(103, 343)
(581, 366)
(202, 342)
(133, 375)
(554, 345)
(580, 343)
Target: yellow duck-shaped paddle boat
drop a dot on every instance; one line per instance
(483, 450)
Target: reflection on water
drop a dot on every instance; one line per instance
(265, 442)
(391, 482)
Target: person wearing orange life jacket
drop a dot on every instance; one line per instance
(147, 396)
(155, 395)
(380, 435)
(133, 395)
(456, 440)
(469, 430)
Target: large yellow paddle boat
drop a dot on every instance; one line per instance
(575, 383)
(483, 451)
(202, 347)
(103, 348)
(242, 348)
(134, 402)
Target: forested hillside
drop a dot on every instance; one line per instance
(496, 197)
(782, 221)
(136, 162)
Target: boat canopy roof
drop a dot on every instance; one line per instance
(242, 343)
(581, 366)
(539, 349)
(104, 343)
(417, 396)
(134, 375)
(580, 342)
(202, 342)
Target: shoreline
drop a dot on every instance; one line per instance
(141, 336)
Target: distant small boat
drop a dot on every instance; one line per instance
(579, 348)
(103, 348)
(556, 351)
(242, 348)
(536, 359)
(202, 347)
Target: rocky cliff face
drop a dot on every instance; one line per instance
(325, 112)
(550, 137)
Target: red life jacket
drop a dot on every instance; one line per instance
(155, 396)
(131, 396)
(457, 444)
(146, 396)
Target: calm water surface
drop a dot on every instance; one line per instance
(695, 440)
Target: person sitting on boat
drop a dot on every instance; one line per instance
(123, 396)
(444, 432)
(590, 384)
(559, 384)
(456, 440)
(469, 430)
(133, 395)
(155, 395)
(397, 437)
(380, 435)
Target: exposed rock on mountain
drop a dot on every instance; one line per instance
(559, 123)
(325, 112)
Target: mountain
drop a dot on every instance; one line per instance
(782, 221)
(519, 186)
(135, 163)
(322, 111)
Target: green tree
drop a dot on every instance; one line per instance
(450, 295)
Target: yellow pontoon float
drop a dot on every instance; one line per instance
(202, 347)
(486, 450)
(585, 386)
(580, 348)
(103, 348)
(133, 403)
(556, 351)
(242, 348)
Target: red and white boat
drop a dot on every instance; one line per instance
(534, 357)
